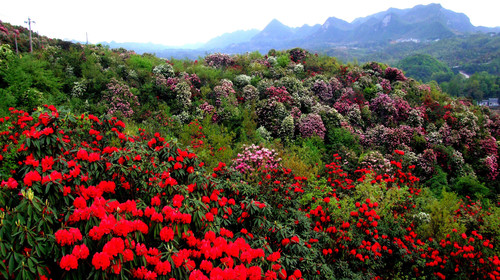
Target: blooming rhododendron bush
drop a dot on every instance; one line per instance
(80, 198)
(75, 207)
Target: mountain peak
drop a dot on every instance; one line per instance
(336, 23)
(275, 24)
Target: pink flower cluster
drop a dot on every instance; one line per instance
(312, 124)
(218, 60)
(254, 158)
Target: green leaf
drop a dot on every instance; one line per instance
(31, 266)
(11, 262)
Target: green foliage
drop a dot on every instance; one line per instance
(438, 183)
(336, 138)
(441, 213)
(283, 60)
(423, 67)
(142, 62)
(470, 186)
(27, 81)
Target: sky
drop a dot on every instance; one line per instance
(180, 22)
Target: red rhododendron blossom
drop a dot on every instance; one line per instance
(274, 257)
(68, 237)
(80, 203)
(209, 216)
(206, 265)
(162, 268)
(82, 154)
(69, 262)
(198, 275)
(116, 268)
(32, 176)
(47, 163)
(167, 234)
(107, 187)
(271, 275)
(128, 255)
(114, 247)
(155, 201)
(101, 260)
(10, 184)
(81, 251)
(254, 273)
(177, 200)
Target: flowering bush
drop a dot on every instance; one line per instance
(74, 204)
(250, 93)
(394, 74)
(120, 99)
(270, 115)
(311, 125)
(224, 93)
(116, 205)
(279, 94)
(166, 70)
(298, 54)
(219, 60)
(255, 158)
(242, 80)
(323, 90)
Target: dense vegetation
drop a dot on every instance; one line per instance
(288, 165)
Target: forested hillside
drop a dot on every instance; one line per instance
(285, 165)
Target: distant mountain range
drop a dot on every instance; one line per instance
(421, 23)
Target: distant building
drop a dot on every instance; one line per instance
(490, 102)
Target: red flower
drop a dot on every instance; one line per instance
(177, 165)
(47, 163)
(282, 274)
(155, 201)
(114, 247)
(274, 257)
(166, 234)
(82, 154)
(101, 260)
(177, 200)
(32, 176)
(399, 152)
(271, 275)
(116, 268)
(10, 184)
(254, 273)
(206, 265)
(209, 216)
(162, 268)
(295, 239)
(65, 237)
(80, 251)
(69, 262)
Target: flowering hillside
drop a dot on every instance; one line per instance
(81, 197)
(280, 166)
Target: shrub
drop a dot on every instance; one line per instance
(164, 69)
(311, 125)
(218, 60)
(120, 99)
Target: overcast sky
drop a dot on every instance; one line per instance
(193, 21)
